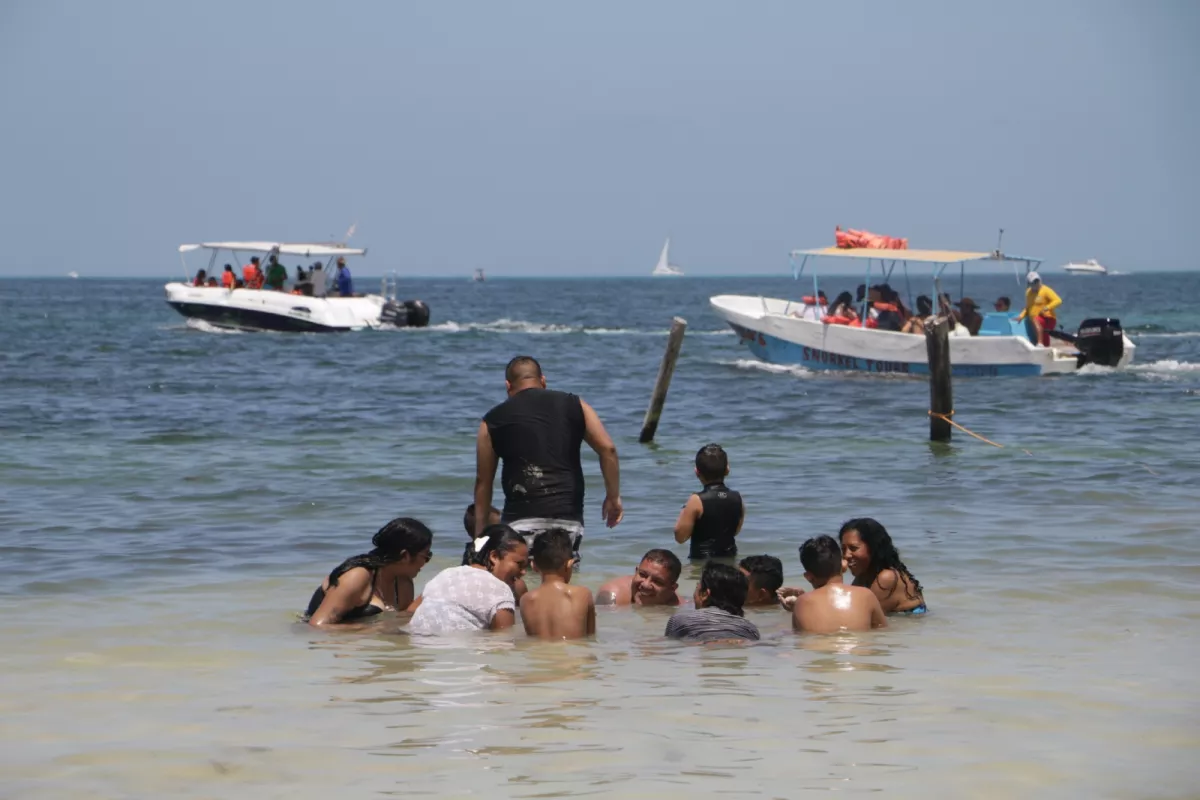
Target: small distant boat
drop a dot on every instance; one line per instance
(1089, 267)
(72, 274)
(478, 277)
(664, 266)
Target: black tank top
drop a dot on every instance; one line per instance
(537, 434)
(713, 534)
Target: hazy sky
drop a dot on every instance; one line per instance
(570, 139)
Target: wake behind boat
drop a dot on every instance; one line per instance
(789, 332)
(316, 300)
(664, 266)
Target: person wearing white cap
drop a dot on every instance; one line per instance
(1040, 302)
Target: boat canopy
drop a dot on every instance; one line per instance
(926, 256)
(306, 250)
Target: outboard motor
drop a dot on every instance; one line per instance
(408, 314)
(1100, 341)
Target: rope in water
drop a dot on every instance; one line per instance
(946, 418)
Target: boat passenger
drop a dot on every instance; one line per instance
(366, 585)
(345, 283)
(1003, 304)
(872, 559)
(200, 279)
(889, 310)
(212, 283)
(276, 274)
(843, 305)
(968, 315)
(228, 279)
(1040, 302)
(239, 284)
(317, 276)
(916, 323)
(252, 274)
(718, 616)
(712, 517)
(478, 596)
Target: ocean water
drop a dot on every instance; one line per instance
(170, 495)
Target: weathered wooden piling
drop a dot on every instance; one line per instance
(941, 395)
(663, 382)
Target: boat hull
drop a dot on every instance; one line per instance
(254, 309)
(769, 331)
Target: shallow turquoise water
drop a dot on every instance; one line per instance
(171, 495)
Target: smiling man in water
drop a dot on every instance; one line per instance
(537, 433)
(655, 582)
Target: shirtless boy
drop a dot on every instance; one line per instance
(557, 610)
(832, 606)
(654, 583)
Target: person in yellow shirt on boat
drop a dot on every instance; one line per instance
(1040, 302)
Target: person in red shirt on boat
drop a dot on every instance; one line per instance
(1040, 302)
(228, 279)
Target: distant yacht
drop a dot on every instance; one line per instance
(478, 277)
(72, 274)
(664, 266)
(1089, 267)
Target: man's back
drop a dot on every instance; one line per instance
(537, 434)
(559, 611)
(836, 607)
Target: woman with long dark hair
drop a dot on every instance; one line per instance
(874, 562)
(367, 584)
(478, 596)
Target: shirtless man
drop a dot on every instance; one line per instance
(832, 606)
(654, 583)
(557, 610)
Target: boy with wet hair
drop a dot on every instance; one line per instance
(712, 517)
(557, 610)
(765, 574)
(832, 606)
(718, 616)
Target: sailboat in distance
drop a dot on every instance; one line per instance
(664, 266)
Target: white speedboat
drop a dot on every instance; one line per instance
(1089, 267)
(664, 266)
(306, 306)
(799, 332)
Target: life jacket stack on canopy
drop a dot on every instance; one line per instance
(850, 239)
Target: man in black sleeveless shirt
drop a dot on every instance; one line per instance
(712, 517)
(537, 433)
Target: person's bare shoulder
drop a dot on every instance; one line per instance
(610, 593)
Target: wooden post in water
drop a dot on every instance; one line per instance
(941, 396)
(663, 382)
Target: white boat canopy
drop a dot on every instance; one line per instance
(924, 256)
(305, 250)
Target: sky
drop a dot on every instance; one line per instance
(569, 139)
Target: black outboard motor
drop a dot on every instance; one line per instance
(407, 314)
(1100, 341)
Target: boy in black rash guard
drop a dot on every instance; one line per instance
(712, 517)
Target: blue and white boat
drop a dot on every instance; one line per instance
(782, 331)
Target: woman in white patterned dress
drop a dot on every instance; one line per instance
(478, 596)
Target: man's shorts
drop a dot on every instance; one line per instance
(535, 526)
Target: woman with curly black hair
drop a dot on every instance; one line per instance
(873, 561)
(380, 580)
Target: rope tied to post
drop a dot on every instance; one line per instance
(946, 418)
